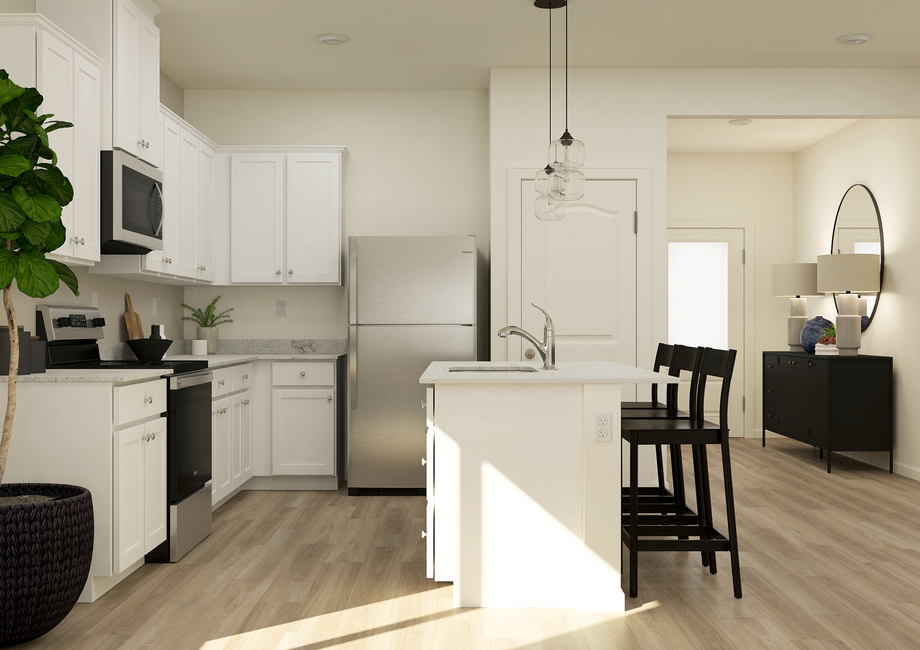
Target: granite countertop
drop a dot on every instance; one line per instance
(571, 372)
(122, 375)
(222, 360)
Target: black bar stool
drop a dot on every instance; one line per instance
(642, 530)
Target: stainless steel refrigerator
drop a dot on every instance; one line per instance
(411, 301)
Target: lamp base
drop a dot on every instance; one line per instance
(794, 327)
(849, 334)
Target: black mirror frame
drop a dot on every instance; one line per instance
(881, 240)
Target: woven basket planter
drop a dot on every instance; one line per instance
(45, 553)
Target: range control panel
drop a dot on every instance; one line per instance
(68, 323)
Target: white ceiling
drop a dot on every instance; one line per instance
(443, 44)
(760, 136)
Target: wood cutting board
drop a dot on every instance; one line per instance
(133, 321)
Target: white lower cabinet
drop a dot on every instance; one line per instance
(231, 430)
(303, 431)
(140, 491)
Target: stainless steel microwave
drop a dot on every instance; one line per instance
(132, 205)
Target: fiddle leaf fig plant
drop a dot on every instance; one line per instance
(33, 191)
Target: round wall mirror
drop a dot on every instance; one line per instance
(858, 229)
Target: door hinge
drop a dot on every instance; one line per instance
(743, 256)
(635, 223)
(742, 403)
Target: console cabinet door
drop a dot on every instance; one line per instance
(303, 431)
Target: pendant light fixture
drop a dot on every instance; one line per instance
(560, 180)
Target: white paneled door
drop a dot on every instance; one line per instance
(582, 271)
(706, 306)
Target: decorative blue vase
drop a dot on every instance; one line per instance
(812, 332)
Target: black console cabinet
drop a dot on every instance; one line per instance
(831, 402)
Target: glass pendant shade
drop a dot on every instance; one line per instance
(567, 185)
(568, 151)
(546, 208)
(541, 181)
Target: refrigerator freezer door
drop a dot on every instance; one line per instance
(388, 426)
(412, 280)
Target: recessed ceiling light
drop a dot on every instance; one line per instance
(854, 39)
(743, 122)
(332, 39)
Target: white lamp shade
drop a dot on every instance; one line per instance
(791, 280)
(854, 272)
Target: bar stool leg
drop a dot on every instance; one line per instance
(730, 515)
(707, 499)
(633, 517)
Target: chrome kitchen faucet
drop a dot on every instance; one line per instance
(547, 349)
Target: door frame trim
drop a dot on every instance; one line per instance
(747, 225)
(641, 176)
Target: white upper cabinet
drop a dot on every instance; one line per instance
(36, 53)
(286, 217)
(206, 198)
(188, 204)
(136, 81)
(257, 218)
(314, 232)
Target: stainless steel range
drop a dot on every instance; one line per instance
(72, 335)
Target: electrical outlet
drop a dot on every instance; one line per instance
(602, 431)
(154, 306)
(281, 308)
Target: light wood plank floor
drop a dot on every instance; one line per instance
(828, 562)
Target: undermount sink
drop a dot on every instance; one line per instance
(491, 369)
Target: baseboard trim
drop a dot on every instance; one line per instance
(292, 483)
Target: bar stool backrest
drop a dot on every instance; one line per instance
(662, 360)
(718, 364)
(685, 358)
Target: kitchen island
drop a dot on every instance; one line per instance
(524, 481)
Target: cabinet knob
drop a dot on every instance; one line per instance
(809, 364)
(769, 390)
(290, 271)
(424, 405)
(154, 436)
(424, 462)
(220, 382)
(303, 374)
(278, 272)
(328, 398)
(245, 401)
(424, 534)
(769, 366)
(245, 376)
(769, 416)
(204, 268)
(82, 241)
(146, 438)
(149, 400)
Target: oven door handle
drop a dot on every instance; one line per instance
(187, 381)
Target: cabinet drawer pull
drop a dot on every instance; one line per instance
(245, 376)
(809, 364)
(148, 400)
(769, 390)
(220, 382)
(303, 374)
(769, 366)
(769, 416)
(278, 272)
(290, 271)
(329, 398)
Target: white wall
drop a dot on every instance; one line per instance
(172, 96)
(753, 188)
(621, 116)
(417, 165)
(111, 298)
(884, 155)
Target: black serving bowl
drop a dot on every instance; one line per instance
(149, 350)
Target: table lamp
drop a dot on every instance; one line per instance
(847, 275)
(795, 281)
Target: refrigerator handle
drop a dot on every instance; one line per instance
(353, 365)
(352, 281)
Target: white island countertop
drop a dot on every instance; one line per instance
(566, 372)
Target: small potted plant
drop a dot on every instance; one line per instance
(208, 320)
(827, 341)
